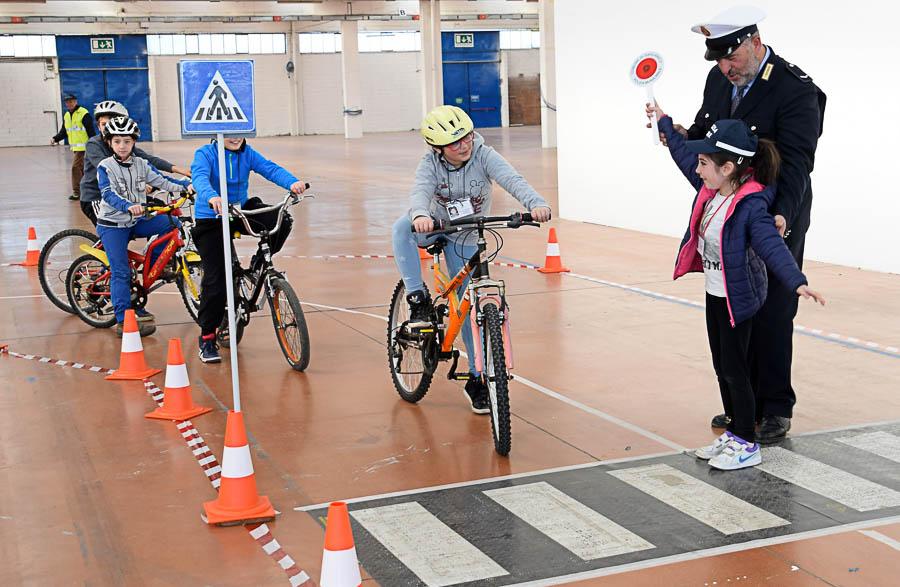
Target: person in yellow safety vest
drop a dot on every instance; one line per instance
(77, 127)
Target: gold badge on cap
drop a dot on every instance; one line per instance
(767, 71)
(705, 31)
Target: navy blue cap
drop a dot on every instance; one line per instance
(729, 136)
(69, 96)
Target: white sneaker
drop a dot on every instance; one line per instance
(738, 454)
(714, 449)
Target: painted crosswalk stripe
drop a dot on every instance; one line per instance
(883, 444)
(835, 484)
(567, 521)
(703, 502)
(429, 548)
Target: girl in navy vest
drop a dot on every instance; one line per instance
(731, 238)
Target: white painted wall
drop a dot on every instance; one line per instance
(27, 90)
(273, 94)
(613, 175)
(391, 92)
(522, 61)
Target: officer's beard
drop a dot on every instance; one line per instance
(749, 74)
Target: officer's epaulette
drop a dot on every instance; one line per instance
(798, 73)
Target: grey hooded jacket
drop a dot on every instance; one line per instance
(437, 183)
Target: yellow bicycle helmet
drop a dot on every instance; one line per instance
(445, 125)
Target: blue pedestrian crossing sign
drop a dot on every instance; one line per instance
(217, 97)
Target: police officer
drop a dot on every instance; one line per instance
(779, 102)
(77, 127)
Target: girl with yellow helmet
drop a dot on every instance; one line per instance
(454, 180)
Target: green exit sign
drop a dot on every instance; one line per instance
(463, 39)
(103, 45)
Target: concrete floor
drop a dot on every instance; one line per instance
(610, 365)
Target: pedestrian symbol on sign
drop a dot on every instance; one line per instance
(218, 104)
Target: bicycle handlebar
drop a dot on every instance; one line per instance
(150, 211)
(290, 199)
(515, 220)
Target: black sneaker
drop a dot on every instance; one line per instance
(477, 394)
(209, 350)
(74, 198)
(419, 309)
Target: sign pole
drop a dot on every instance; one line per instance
(653, 121)
(229, 274)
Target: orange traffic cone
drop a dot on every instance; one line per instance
(238, 501)
(553, 262)
(32, 251)
(339, 565)
(132, 365)
(177, 401)
(423, 255)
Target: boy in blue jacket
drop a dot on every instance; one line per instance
(731, 238)
(240, 160)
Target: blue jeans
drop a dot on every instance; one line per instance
(115, 243)
(406, 256)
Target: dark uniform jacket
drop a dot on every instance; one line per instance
(783, 105)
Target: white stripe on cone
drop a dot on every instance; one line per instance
(236, 462)
(131, 342)
(553, 249)
(33, 245)
(177, 376)
(340, 568)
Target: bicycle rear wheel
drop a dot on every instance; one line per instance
(412, 359)
(290, 324)
(57, 256)
(87, 286)
(496, 379)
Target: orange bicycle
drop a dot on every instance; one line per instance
(414, 352)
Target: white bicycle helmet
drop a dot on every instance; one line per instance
(121, 126)
(109, 108)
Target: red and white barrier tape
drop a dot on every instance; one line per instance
(207, 461)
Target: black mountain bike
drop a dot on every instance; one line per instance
(249, 284)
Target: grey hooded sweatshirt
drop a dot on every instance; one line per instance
(438, 184)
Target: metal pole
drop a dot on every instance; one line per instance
(229, 276)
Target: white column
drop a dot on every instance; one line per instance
(294, 57)
(350, 73)
(432, 56)
(547, 22)
(437, 53)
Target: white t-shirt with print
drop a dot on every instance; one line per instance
(710, 241)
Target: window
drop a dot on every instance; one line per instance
(369, 42)
(27, 46)
(214, 44)
(319, 43)
(520, 39)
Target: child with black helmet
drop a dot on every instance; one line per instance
(732, 238)
(122, 179)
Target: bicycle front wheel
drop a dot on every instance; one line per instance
(496, 379)
(190, 287)
(57, 256)
(290, 325)
(87, 285)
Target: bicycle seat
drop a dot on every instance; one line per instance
(437, 246)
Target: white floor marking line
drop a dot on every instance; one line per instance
(882, 444)
(418, 490)
(428, 547)
(701, 501)
(546, 391)
(600, 414)
(708, 552)
(835, 484)
(567, 521)
(22, 297)
(895, 544)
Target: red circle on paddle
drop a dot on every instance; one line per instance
(646, 68)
